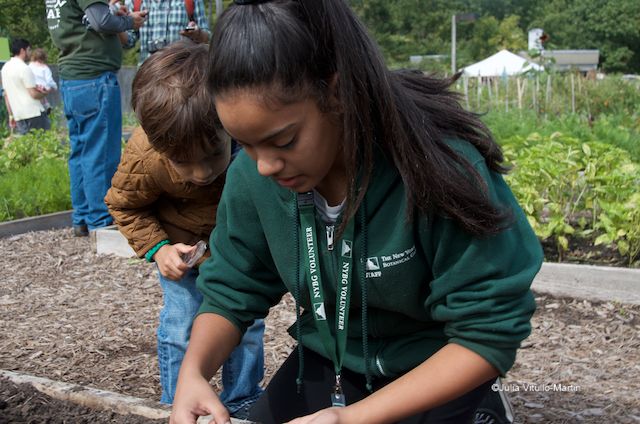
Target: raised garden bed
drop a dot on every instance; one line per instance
(71, 316)
(22, 403)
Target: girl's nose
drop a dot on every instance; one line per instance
(269, 166)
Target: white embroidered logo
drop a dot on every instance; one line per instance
(318, 308)
(346, 248)
(373, 264)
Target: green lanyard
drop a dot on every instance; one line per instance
(336, 350)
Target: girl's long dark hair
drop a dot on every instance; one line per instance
(298, 46)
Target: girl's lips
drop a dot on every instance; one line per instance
(288, 182)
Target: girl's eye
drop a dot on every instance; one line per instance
(287, 145)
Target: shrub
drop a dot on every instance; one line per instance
(33, 176)
(35, 189)
(36, 146)
(569, 188)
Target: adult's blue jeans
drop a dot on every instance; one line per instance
(241, 373)
(94, 119)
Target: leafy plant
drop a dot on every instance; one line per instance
(620, 129)
(35, 146)
(569, 188)
(35, 189)
(33, 176)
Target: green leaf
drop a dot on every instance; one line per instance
(623, 247)
(563, 242)
(602, 239)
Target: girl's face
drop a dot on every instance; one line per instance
(296, 145)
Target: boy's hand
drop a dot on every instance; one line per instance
(169, 260)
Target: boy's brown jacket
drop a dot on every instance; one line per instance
(150, 202)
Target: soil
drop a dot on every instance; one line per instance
(69, 315)
(582, 251)
(22, 403)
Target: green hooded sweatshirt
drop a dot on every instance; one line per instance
(428, 282)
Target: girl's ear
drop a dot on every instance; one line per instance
(334, 101)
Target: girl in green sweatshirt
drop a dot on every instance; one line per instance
(378, 202)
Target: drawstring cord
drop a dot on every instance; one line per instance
(296, 297)
(363, 279)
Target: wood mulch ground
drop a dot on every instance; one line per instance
(69, 315)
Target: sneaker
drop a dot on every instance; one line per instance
(80, 230)
(495, 408)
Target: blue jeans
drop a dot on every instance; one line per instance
(94, 118)
(39, 122)
(241, 373)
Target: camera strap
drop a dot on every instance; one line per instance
(188, 4)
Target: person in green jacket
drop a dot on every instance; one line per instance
(378, 202)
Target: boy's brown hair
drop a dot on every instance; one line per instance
(39, 55)
(172, 103)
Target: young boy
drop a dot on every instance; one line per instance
(164, 197)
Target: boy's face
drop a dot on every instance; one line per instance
(206, 164)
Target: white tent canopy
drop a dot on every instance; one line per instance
(502, 63)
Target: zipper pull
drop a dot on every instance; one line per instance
(330, 237)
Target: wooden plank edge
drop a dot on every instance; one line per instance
(99, 399)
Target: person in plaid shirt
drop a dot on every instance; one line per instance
(166, 23)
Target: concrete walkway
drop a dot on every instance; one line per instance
(589, 282)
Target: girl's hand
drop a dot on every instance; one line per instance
(169, 260)
(195, 398)
(324, 416)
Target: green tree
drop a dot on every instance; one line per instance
(483, 35)
(405, 27)
(489, 35)
(21, 20)
(610, 26)
(509, 36)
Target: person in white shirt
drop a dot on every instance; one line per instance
(42, 74)
(21, 95)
